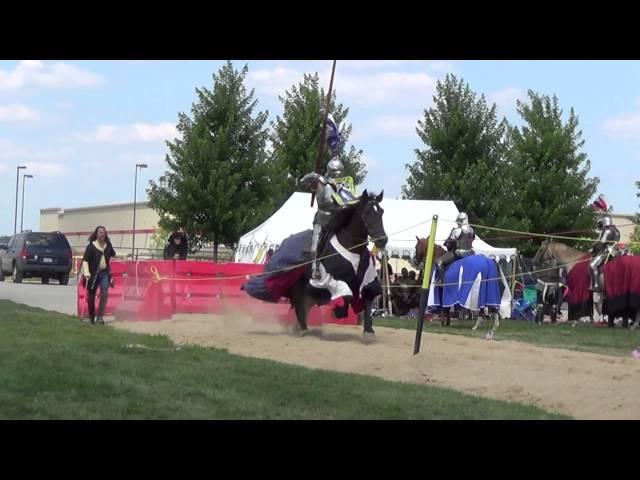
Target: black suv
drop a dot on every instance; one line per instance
(37, 254)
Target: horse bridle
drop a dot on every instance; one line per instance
(370, 204)
(543, 254)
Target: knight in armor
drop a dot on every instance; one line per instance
(333, 190)
(459, 245)
(608, 235)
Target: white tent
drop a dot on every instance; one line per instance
(403, 221)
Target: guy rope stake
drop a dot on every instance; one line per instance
(324, 127)
(426, 278)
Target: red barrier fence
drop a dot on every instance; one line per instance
(152, 290)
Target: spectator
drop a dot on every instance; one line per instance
(412, 277)
(268, 256)
(405, 273)
(96, 270)
(178, 246)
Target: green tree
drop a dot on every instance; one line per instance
(159, 239)
(217, 184)
(464, 155)
(296, 134)
(553, 186)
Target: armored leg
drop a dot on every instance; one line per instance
(315, 272)
(441, 266)
(594, 266)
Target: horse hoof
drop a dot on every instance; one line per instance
(305, 332)
(369, 336)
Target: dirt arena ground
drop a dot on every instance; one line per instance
(583, 385)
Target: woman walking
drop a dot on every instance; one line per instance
(97, 271)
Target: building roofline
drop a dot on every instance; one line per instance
(626, 215)
(95, 207)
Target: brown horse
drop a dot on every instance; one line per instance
(568, 257)
(421, 252)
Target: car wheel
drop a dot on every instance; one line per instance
(17, 274)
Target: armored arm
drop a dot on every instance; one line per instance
(451, 242)
(312, 180)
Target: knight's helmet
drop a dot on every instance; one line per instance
(462, 219)
(602, 210)
(333, 135)
(335, 168)
(604, 221)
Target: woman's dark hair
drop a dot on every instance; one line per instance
(94, 235)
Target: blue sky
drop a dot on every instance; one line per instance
(80, 127)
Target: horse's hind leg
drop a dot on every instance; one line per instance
(368, 331)
(478, 321)
(496, 320)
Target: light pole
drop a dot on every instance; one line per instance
(135, 191)
(22, 210)
(15, 222)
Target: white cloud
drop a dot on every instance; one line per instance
(47, 75)
(16, 112)
(274, 81)
(359, 65)
(9, 150)
(396, 88)
(64, 105)
(399, 126)
(441, 66)
(373, 64)
(13, 152)
(123, 134)
(394, 125)
(625, 126)
(47, 169)
(506, 98)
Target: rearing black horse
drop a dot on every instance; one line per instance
(354, 226)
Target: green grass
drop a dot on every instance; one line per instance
(581, 337)
(54, 367)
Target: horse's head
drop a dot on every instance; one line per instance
(422, 245)
(544, 256)
(421, 251)
(371, 215)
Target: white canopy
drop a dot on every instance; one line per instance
(403, 221)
